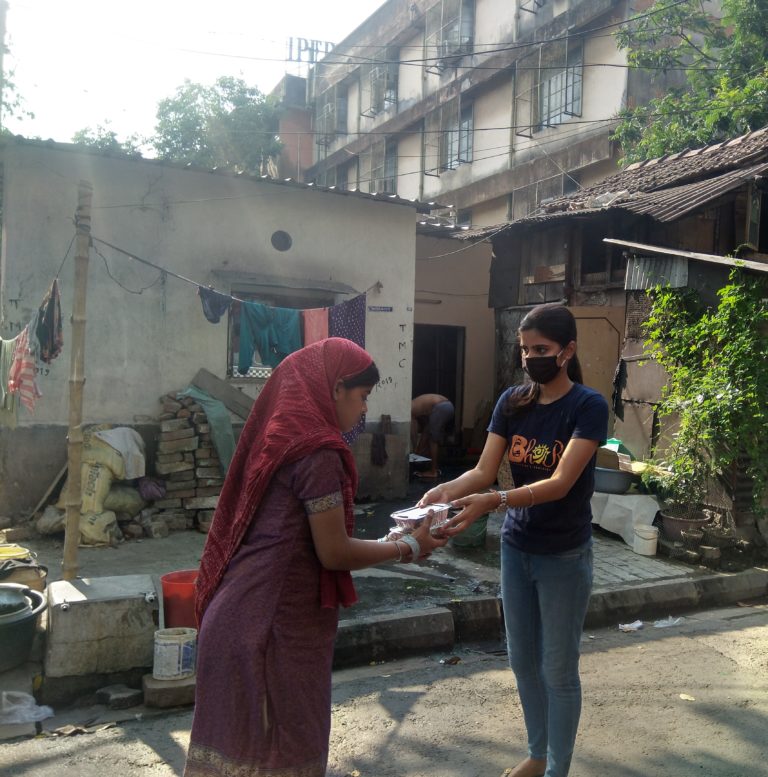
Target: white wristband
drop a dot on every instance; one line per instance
(413, 544)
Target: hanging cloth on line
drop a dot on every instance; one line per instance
(315, 323)
(215, 304)
(9, 405)
(49, 331)
(21, 378)
(274, 332)
(348, 320)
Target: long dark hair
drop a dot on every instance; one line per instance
(368, 377)
(556, 323)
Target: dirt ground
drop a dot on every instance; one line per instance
(684, 701)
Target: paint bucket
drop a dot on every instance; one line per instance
(645, 540)
(175, 652)
(179, 599)
(473, 536)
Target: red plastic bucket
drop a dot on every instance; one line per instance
(179, 599)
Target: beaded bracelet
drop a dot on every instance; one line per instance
(502, 500)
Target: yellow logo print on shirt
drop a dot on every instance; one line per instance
(525, 451)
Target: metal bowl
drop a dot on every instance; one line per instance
(613, 481)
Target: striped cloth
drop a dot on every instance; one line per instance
(21, 377)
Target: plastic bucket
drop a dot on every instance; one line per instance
(474, 536)
(645, 540)
(17, 631)
(179, 599)
(26, 572)
(175, 653)
(9, 550)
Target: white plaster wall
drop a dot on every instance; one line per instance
(494, 23)
(604, 87)
(493, 138)
(490, 213)
(410, 76)
(460, 281)
(140, 346)
(409, 166)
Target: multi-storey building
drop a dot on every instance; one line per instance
(488, 107)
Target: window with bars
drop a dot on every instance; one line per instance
(448, 137)
(560, 85)
(378, 167)
(548, 86)
(457, 139)
(379, 84)
(331, 115)
(450, 26)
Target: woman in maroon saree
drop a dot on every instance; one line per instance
(276, 567)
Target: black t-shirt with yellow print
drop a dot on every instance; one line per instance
(537, 438)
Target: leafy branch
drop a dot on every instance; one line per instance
(717, 385)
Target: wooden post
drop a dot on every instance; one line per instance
(73, 500)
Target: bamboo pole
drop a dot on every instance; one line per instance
(73, 500)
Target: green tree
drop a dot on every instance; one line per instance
(105, 139)
(724, 91)
(229, 125)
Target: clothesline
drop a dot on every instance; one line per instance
(377, 285)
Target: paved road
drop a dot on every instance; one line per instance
(687, 700)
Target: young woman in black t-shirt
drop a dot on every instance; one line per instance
(550, 430)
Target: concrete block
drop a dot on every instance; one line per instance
(168, 504)
(119, 697)
(175, 424)
(173, 466)
(177, 434)
(207, 472)
(201, 503)
(174, 446)
(387, 636)
(157, 529)
(100, 625)
(168, 693)
(476, 618)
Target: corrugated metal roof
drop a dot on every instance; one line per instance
(725, 261)
(664, 205)
(672, 204)
(645, 272)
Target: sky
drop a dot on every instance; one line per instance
(82, 63)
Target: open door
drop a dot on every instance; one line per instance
(438, 364)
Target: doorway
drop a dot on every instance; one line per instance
(438, 364)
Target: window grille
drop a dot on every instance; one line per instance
(449, 137)
(548, 86)
(331, 115)
(379, 84)
(449, 32)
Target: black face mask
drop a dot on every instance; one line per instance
(542, 369)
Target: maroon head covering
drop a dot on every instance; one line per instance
(294, 415)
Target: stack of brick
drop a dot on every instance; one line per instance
(187, 461)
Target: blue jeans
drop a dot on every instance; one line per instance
(545, 600)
